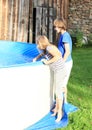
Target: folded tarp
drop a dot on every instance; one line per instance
(48, 122)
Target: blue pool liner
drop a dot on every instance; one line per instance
(17, 54)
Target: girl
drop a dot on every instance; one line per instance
(54, 59)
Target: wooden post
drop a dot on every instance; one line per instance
(66, 11)
(4, 20)
(1, 15)
(30, 22)
(15, 20)
(10, 19)
(23, 20)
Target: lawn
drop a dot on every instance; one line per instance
(80, 90)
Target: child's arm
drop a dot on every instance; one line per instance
(39, 56)
(67, 51)
(55, 53)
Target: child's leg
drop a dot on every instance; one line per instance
(59, 111)
(59, 78)
(65, 95)
(68, 66)
(55, 110)
(64, 90)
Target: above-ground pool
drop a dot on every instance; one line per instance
(25, 87)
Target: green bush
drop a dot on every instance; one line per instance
(90, 39)
(77, 37)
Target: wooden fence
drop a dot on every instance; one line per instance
(23, 20)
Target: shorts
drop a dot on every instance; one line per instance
(59, 77)
(68, 66)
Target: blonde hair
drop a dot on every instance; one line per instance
(42, 39)
(59, 23)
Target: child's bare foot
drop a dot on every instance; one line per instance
(55, 111)
(59, 116)
(54, 114)
(54, 108)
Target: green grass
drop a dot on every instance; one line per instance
(80, 90)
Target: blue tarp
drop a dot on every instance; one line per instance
(48, 122)
(17, 54)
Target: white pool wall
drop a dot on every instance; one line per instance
(25, 96)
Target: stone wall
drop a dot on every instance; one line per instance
(80, 16)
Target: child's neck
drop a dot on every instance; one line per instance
(63, 31)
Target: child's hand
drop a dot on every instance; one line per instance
(44, 61)
(34, 60)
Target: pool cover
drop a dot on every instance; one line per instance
(17, 54)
